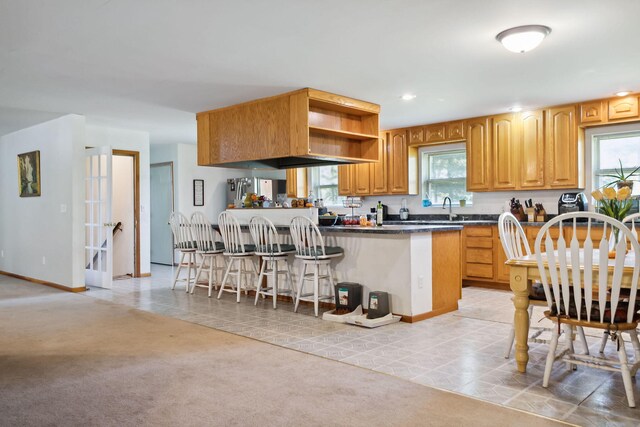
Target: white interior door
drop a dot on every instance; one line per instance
(161, 208)
(98, 226)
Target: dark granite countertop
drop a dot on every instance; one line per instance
(391, 229)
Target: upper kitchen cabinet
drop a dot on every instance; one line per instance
(505, 142)
(297, 182)
(623, 108)
(437, 133)
(564, 149)
(479, 165)
(379, 178)
(593, 112)
(402, 170)
(345, 180)
(303, 128)
(531, 153)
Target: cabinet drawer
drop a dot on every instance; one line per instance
(478, 231)
(480, 256)
(479, 242)
(484, 271)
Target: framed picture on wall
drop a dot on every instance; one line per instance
(29, 174)
(198, 192)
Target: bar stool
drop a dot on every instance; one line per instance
(271, 252)
(237, 254)
(183, 242)
(310, 249)
(209, 249)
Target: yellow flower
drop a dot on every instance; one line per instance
(597, 194)
(609, 193)
(623, 193)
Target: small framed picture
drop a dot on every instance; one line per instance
(198, 192)
(29, 174)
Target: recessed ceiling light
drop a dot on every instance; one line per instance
(523, 39)
(623, 93)
(515, 109)
(408, 97)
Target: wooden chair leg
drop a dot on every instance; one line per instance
(175, 279)
(300, 285)
(198, 273)
(260, 278)
(224, 279)
(626, 373)
(551, 356)
(274, 289)
(212, 263)
(583, 339)
(316, 287)
(510, 340)
(603, 342)
(191, 261)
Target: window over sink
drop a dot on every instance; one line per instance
(444, 173)
(323, 182)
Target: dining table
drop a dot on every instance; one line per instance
(524, 270)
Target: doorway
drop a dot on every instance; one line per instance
(161, 207)
(126, 213)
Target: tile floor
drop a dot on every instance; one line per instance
(460, 351)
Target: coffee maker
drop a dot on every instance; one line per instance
(572, 202)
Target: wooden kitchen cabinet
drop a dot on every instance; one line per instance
(379, 181)
(297, 182)
(479, 165)
(417, 135)
(435, 133)
(455, 131)
(623, 108)
(478, 252)
(345, 180)
(398, 157)
(505, 142)
(531, 154)
(361, 179)
(593, 112)
(564, 151)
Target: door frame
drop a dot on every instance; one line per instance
(136, 206)
(173, 200)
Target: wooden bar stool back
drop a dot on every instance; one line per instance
(210, 250)
(183, 242)
(238, 254)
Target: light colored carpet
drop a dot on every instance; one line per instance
(67, 359)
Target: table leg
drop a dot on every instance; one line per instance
(520, 287)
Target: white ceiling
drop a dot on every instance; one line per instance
(151, 64)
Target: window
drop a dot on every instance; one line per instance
(323, 181)
(609, 150)
(444, 173)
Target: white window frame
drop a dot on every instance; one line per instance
(315, 187)
(458, 147)
(595, 157)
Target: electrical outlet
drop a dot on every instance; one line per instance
(2, 253)
(63, 208)
(44, 260)
(420, 282)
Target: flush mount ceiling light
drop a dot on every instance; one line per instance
(515, 109)
(523, 39)
(623, 93)
(408, 97)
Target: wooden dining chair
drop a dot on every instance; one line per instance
(272, 253)
(311, 250)
(630, 221)
(582, 285)
(515, 244)
(238, 254)
(184, 243)
(210, 250)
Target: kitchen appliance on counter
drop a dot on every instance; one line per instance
(573, 202)
(404, 211)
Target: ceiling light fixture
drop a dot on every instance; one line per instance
(515, 109)
(523, 39)
(408, 97)
(623, 93)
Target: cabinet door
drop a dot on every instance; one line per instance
(297, 182)
(204, 139)
(361, 176)
(504, 149)
(623, 108)
(455, 131)
(478, 155)
(416, 136)
(531, 155)
(398, 157)
(502, 270)
(593, 112)
(562, 147)
(378, 178)
(345, 180)
(435, 133)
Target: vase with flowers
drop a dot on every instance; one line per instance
(616, 204)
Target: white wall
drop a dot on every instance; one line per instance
(186, 169)
(122, 139)
(50, 226)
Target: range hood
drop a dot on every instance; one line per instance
(303, 128)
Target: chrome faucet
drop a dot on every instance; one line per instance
(444, 205)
